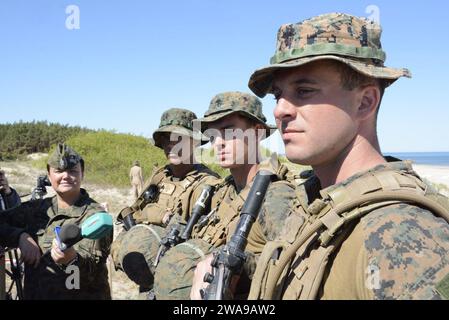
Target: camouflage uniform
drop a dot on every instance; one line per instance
(377, 235)
(174, 274)
(134, 251)
(39, 219)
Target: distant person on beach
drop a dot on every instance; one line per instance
(155, 166)
(136, 177)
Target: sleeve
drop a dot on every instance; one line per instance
(406, 251)
(13, 223)
(93, 252)
(9, 236)
(153, 213)
(278, 206)
(91, 260)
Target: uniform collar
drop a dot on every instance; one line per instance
(76, 209)
(395, 165)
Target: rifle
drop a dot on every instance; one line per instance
(150, 195)
(180, 233)
(231, 257)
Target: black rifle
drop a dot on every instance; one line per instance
(201, 205)
(230, 258)
(150, 195)
(180, 233)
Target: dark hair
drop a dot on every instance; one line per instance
(351, 79)
(249, 121)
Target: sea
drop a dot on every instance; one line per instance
(428, 158)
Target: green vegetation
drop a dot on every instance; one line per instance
(22, 138)
(108, 155)
(208, 158)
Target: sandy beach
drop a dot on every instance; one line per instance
(435, 174)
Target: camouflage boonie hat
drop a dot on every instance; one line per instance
(179, 121)
(64, 157)
(227, 103)
(351, 40)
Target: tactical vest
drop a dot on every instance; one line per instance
(227, 205)
(293, 267)
(174, 196)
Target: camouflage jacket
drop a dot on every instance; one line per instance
(48, 281)
(277, 206)
(175, 195)
(394, 250)
(174, 274)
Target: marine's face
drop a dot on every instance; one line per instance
(66, 181)
(177, 148)
(315, 115)
(234, 141)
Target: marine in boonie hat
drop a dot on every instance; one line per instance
(64, 157)
(351, 40)
(227, 103)
(178, 121)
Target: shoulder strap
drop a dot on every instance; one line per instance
(156, 178)
(189, 185)
(334, 214)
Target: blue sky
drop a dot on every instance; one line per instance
(131, 60)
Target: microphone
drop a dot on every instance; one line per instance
(95, 227)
